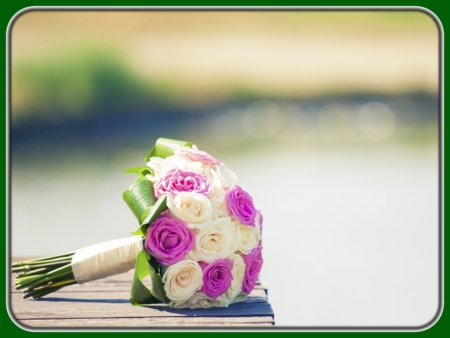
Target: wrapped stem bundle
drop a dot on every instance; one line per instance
(199, 237)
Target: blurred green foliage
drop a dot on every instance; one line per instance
(81, 82)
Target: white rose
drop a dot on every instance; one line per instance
(222, 180)
(224, 177)
(215, 241)
(182, 280)
(200, 300)
(258, 221)
(161, 166)
(218, 201)
(240, 298)
(238, 273)
(247, 237)
(193, 208)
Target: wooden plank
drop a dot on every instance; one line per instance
(121, 281)
(108, 324)
(124, 290)
(97, 307)
(150, 322)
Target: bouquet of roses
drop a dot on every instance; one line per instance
(199, 237)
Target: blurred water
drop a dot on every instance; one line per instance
(350, 237)
(350, 233)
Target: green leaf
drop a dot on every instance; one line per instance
(165, 147)
(139, 197)
(150, 214)
(135, 170)
(140, 294)
(138, 232)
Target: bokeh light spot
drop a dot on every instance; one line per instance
(376, 121)
(337, 121)
(263, 119)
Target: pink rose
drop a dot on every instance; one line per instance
(169, 240)
(253, 264)
(176, 180)
(217, 276)
(240, 205)
(197, 155)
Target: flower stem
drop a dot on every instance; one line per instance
(44, 278)
(49, 288)
(33, 272)
(40, 265)
(46, 259)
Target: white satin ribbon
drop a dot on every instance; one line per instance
(106, 259)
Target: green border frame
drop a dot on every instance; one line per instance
(7, 12)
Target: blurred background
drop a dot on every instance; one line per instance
(330, 119)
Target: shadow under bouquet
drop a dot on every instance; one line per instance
(198, 244)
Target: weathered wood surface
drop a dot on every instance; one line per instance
(104, 304)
